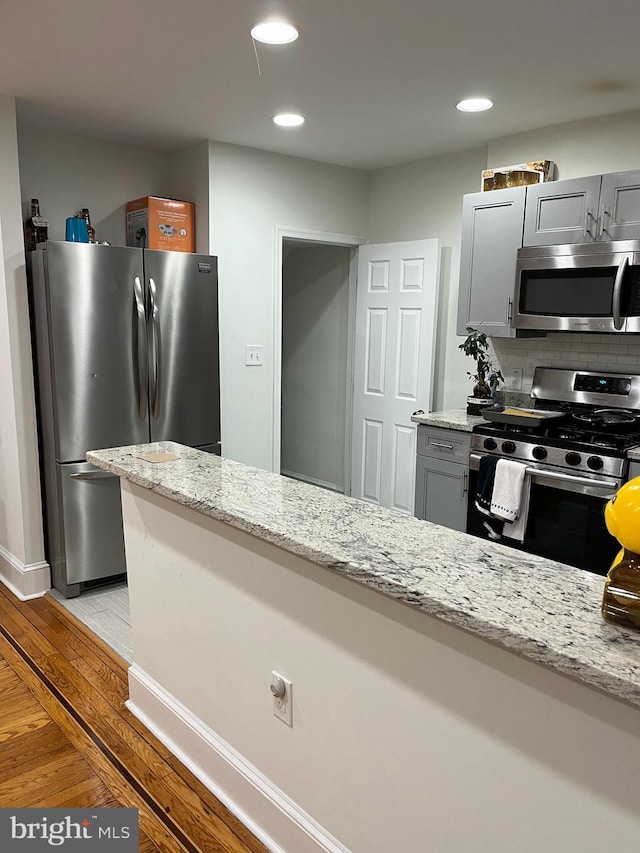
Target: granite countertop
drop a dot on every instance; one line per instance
(460, 420)
(543, 610)
(449, 419)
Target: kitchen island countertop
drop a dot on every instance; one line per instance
(543, 610)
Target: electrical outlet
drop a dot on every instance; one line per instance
(515, 379)
(282, 699)
(253, 356)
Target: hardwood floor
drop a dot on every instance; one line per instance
(66, 738)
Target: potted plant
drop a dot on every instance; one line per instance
(487, 375)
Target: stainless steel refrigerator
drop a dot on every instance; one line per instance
(126, 352)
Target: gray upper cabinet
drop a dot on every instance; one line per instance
(562, 212)
(583, 210)
(491, 236)
(620, 207)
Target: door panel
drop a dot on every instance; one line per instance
(93, 535)
(620, 206)
(395, 327)
(184, 385)
(93, 339)
(491, 236)
(562, 212)
(441, 492)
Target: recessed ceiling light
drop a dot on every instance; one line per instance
(274, 32)
(474, 105)
(289, 119)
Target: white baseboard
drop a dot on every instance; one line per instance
(279, 823)
(24, 581)
(312, 480)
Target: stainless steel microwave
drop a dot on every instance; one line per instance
(582, 287)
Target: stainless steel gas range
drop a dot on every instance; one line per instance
(576, 457)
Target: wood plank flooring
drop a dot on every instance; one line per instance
(67, 739)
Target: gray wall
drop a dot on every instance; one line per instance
(315, 307)
(68, 172)
(253, 193)
(422, 200)
(189, 181)
(21, 539)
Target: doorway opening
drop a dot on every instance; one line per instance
(315, 332)
(314, 326)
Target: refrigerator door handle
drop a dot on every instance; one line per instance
(91, 475)
(155, 348)
(140, 347)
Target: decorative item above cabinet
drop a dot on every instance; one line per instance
(583, 210)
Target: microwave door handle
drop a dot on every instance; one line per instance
(617, 294)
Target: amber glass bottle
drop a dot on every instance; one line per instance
(36, 228)
(621, 599)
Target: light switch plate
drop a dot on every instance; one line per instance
(253, 355)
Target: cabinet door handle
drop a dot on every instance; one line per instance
(465, 483)
(587, 216)
(603, 229)
(440, 444)
(509, 310)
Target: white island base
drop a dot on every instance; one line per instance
(409, 734)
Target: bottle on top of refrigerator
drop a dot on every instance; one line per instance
(36, 227)
(90, 229)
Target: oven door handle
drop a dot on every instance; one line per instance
(556, 475)
(617, 293)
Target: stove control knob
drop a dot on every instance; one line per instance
(490, 444)
(539, 452)
(508, 447)
(573, 459)
(595, 463)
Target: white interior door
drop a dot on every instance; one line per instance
(396, 303)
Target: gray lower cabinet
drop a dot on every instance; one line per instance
(583, 210)
(442, 479)
(491, 235)
(634, 470)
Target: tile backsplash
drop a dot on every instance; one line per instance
(614, 353)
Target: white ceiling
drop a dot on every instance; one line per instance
(377, 80)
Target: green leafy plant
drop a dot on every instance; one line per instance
(487, 375)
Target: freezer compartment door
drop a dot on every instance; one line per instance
(184, 379)
(93, 536)
(97, 347)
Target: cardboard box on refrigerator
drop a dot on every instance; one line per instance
(161, 223)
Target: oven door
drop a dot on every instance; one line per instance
(567, 288)
(565, 522)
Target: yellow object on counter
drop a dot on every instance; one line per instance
(521, 413)
(621, 599)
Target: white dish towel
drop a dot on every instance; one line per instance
(517, 529)
(506, 498)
